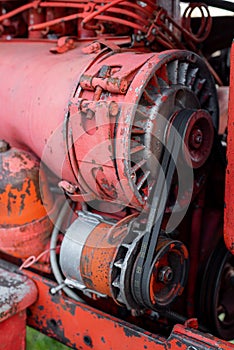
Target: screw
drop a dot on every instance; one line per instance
(196, 138)
(113, 109)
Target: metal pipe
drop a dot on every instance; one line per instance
(224, 5)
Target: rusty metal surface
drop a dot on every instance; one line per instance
(20, 191)
(83, 327)
(17, 292)
(25, 200)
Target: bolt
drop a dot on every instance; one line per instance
(165, 275)
(137, 312)
(196, 138)
(67, 187)
(56, 289)
(123, 86)
(133, 176)
(113, 109)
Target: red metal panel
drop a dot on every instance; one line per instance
(229, 192)
(13, 332)
(83, 327)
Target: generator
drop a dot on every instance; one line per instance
(116, 173)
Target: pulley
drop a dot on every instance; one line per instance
(216, 309)
(168, 273)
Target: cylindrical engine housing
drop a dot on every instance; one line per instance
(99, 121)
(36, 87)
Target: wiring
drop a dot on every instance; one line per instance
(224, 5)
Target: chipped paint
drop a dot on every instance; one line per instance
(16, 293)
(87, 321)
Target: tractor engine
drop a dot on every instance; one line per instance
(112, 162)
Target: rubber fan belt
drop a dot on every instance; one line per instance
(157, 209)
